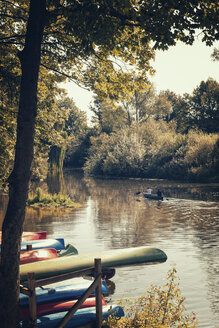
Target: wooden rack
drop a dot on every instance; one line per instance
(32, 283)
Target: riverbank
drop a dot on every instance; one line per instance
(43, 199)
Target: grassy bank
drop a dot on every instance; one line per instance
(43, 199)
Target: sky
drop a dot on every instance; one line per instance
(179, 69)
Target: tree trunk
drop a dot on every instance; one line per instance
(19, 179)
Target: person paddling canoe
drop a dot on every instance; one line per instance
(149, 191)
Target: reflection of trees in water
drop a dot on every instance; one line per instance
(128, 222)
(56, 183)
(122, 221)
(76, 187)
(36, 216)
(203, 218)
(207, 240)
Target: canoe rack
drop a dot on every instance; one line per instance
(32, 283)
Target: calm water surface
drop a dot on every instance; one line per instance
(185, 225)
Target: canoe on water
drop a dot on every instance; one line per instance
(110, 258)
(29, 235)
(80, 318)
(154, 197)
(59, 306)
(61, 293)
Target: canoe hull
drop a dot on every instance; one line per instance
(69, 250)
(43, 254)
(61, 293)
(55, 307)
(81, 317)
(110, 258)
(154, 197)
(58, 244)
(29, 235)
(38, 255)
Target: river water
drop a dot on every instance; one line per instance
(185, 225)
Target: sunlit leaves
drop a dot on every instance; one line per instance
(154, 149)
(161, 306)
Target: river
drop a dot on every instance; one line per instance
(185, 225)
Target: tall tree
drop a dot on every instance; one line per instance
(141, 106)
(107, 118)
(204, 107)
(66, 36)
(18, 185)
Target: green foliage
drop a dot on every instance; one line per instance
(78, 134)
(201, 156)
(198, 110)
(161, 307)
(154, 150)
(108, 118)
(89, 42)
(204, 107)
(44, 199)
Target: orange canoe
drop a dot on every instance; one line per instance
(28, 235)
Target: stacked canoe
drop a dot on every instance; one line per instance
(52, 303)
(50, 257)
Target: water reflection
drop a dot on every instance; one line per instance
(185, 225)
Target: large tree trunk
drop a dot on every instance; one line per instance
(19, 179)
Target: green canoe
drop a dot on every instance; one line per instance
(110, 258)
(69, 250)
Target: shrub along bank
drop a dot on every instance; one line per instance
(155, 150)
(161, 306)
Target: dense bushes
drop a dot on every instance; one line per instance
(154, 150)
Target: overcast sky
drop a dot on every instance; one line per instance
(179, 69)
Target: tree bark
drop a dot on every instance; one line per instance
(20, 176)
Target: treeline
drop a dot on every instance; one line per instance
(149, 135)
(157, 136)
(155, 150)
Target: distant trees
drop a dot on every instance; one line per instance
(154, 149)
(204, 107)
(161, 135)
(200, 110)
(78, 133)
(108, 118)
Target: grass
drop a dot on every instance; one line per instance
(43, 199)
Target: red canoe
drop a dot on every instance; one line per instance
(54, 307)
(28, 235)
(37, 255)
